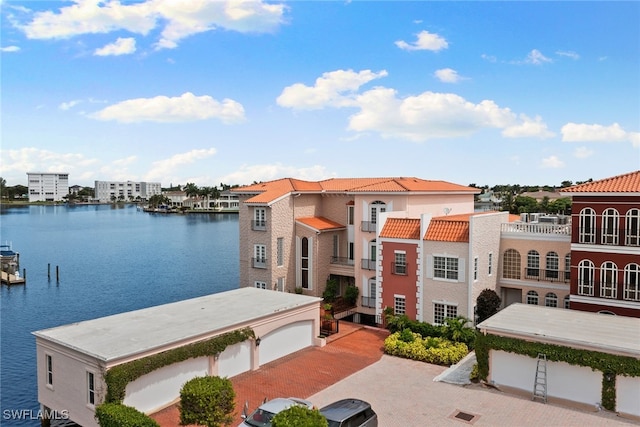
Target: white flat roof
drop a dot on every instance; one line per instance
(125, 334)
(571, 328)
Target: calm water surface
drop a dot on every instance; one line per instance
(111, 259)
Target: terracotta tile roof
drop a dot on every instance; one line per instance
(272, 190)
(320, 223)
(448, 231)
(401, 228)
(627, 183)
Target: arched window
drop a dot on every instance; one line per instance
(375, 209)
(632, 282)
(533, 265)
(586, 271)
(587, 226)
(552, 260)
(532, 297)
(551, 300)
(632, 227)
(511, 264)
(610, 224)
(567, 268)
(608, 280)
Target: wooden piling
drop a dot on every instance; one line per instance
(57, 273)
(49, 271)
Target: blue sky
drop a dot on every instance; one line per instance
(210, 92)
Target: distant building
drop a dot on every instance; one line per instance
(108, 191)
(47, 186)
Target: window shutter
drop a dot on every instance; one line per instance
(429, 272)
(461, 265)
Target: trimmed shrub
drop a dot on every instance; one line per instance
(487, 304)
(299, 416)
(351, 294)
(330, 291)
(208, 401)
(437, 351)
(118, 415)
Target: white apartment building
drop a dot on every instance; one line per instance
(47, 186)
(108, 191)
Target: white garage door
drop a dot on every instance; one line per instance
(235, 359)
(285, 340)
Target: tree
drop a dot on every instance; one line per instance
(299, 416)
(487, 304)
(208, 401)
(191, 190)
(3, 188)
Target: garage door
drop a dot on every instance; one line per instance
(285, 340)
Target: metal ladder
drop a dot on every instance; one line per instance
(540, 384)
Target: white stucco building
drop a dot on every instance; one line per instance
(47, 186)
(107, 191)
(72, 359)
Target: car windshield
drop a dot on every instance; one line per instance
(260, 418)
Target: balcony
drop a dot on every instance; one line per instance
(540, 274)
(259, 262)
(369, 302)
(369, 226)
(340, 260)
(259, 225)
(522, 228)
(368, 264)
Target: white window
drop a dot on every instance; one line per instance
(632, 282)
(533, 264)
(608, 280)
(280, 251)
(400, 263)
(304, 263)
(350, 215)
(553, 265)
(532, 297)
(376, 208)
(445, 268)
(490, 263)
(632, 227)
(443, 311)
(370, 301)
(475, 269)
(587, 226)
(610, 224)
(280, 285)
(260, 256)
(586, 272)
(511, 264)
(551, 300)
(567, 267)
(91, 389)
(352, 251)
(567, 302)
(261, 285)
(49, 363)
(399, 305)
(259, 218)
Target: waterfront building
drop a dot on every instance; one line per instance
(109, 191)
(47, 186)
(296, 235)
(605, 245)
(73, 359)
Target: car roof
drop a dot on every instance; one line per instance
(281, 403)
(344, 408)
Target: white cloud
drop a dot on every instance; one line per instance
(163, 109)
(569, 54)
(248, 174)
(489, 58)
(528, 128)
(36, 159)
(177, 19)
(536, 57)
(162, 168)
(447, 75)
(582, 152)
(122, 46)
(69, 105)
(9, 49)
(552, 162)
(334, 88)
(425, 41)
(580, 132)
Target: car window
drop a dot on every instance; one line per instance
(260, 418)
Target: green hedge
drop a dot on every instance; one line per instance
(207, 401)
(119, 376)
(606, 363)
(299, 416)
(118, 415)
(411, 345)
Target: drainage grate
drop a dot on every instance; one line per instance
(464, 416)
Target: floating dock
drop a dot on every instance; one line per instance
(12, 279)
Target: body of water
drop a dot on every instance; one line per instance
(110, 259)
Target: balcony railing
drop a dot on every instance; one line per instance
(536, 228)
(369, 302)
(545, 275)
(340, 260)
(259, 225)
(368, 226)
(259, 262)
(368, 264)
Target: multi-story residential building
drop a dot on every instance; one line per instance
(605, 245)
(433, 268)
(296, 235)
(47, 186)
(109, 191)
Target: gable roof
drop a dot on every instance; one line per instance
(627, 183)
(448, 229)
(320, 223)
(268, 192)
(401, 228)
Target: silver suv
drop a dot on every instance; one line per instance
(350, 413)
